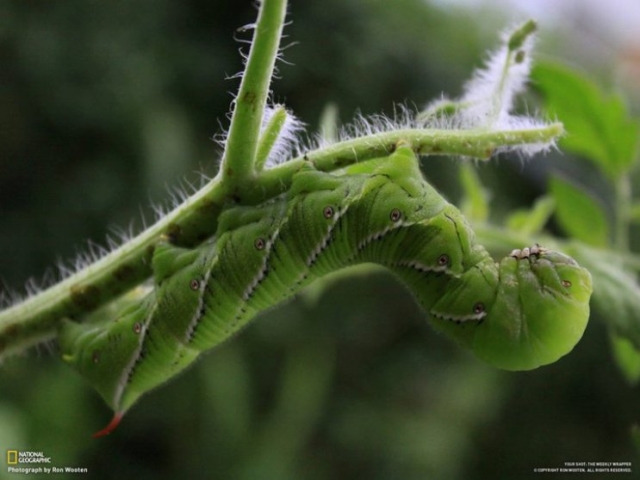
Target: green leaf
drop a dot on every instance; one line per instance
(627, 357)
(634, 213)
(475, 202)
(578, 214)
(532, 221)
(598, 125)
(616, 293)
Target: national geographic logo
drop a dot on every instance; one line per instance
(36, 463)
(19, 457)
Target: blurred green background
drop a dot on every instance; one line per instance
(107, 105)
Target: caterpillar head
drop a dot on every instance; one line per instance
(528, 312)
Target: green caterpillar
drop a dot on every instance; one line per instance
(526, 311)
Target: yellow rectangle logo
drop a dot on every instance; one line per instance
(12, 457)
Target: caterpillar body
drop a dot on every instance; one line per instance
(528, 310)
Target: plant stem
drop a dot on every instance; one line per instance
(238, 162)
(269, 136)
(622, 213)
(35, 319)
(514, 45)
(480, 144)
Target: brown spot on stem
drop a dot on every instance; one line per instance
(208, 207)
(124, 273)
(86, 298)
(250, 98)
(173, 232)
(10, 332)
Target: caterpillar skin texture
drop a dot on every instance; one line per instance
(528, 310)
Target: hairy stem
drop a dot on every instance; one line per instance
(35, 319)
(244, 132)
(514, 44)
(480, 144)
(269, 136)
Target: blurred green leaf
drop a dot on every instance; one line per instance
(616, 293)
(532, 221)
(579, 215)
(598, 125)
(474, 204)
(329, 122)
(634, 214)
(627, 357)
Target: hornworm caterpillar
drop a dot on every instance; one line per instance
(526, 311)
